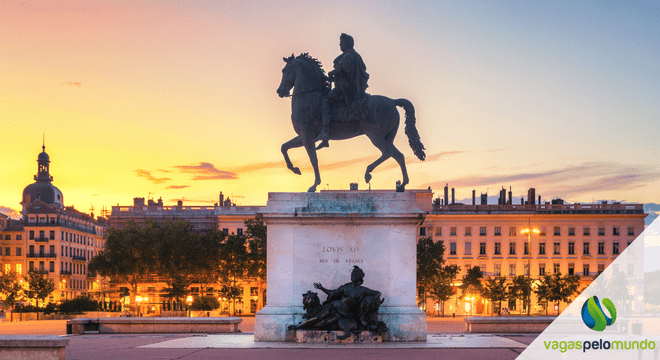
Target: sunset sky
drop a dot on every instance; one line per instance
(178, 99)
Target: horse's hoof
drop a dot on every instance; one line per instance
(296, 171)
(312, 189)
(400, 188)
(367, 178)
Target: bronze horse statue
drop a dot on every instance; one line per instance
(381, 122)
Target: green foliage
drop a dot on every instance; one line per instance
(520, 289)
(441, 288)
(78, 305)
(495, 290)
(10, 288)
(556, 288)
(39, 286)
(472, 282)
(429, 262)
(256, 234)
(205, 303)
(234, 266)
(50, 309)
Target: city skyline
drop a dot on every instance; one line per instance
(178, 99)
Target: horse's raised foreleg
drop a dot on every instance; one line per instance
(296, 142)
(308, 142)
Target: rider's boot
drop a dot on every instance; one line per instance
(324, 136)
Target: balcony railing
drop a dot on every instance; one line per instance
(65, 272)
(45, 255)
(79, 258)
(41, 239)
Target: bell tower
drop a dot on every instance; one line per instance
(43, 174)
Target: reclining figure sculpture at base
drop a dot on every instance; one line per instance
(351, 308)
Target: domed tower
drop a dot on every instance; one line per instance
(42, 189)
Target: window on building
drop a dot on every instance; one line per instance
(482, 231)
(52, 235)
(482, 248)
(7, 268)
(42, 234)
(526, 269)
(557, 231)
(254, 291)
(601, 268)
(31, 265)
(7, 237)
(225, 230)
(526, 249)
(512, 248)
(571, 269)
(541, 269)
(468, 248)
(7, 251)
(512, 269)
(512, 231)
(31, 234)
(601, 248)
(19, 237)
(52, 266)
(615, 248)
(585, 248)
(555, 268)
(631, 230)
(438, 231)
(585, 269)
(615, 231)
(452, 248)
(468, 231)
(601, 231)
(571, 231)
(571, 248)
(586, 231)
(541, 248)
(31, 250)
(19, 251)
(422, 231)
(556, 248)
(498, 231)
(52, 250)
(452, 231)
(497, 271)
(19, 269)
(41, 250)
(542, 231)
(498, 248)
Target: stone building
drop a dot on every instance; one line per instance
(55, 239)
(580, 239)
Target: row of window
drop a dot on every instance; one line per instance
(52, 220)
(66, 236)
(586, 231)
(556, 250)
(586, 269)
(19, 251)
(19, 268)
(8, 237)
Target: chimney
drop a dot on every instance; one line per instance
(447, 194)
(138, 201)
(474, 198)
(222, 199)
(502, 199)
(179, 203)
(510, 202)
(484, 199)
(539, 200)
(452, 196)
(531, 194)
(354, 186)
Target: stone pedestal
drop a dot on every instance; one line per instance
(318, 237)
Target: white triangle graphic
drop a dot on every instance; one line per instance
(635, 332)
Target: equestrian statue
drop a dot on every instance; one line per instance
(320, 113)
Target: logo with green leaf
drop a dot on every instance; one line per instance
(594, 316)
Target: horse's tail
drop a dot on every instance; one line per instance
(413, 136)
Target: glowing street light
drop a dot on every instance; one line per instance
(529, 232)
(189, 300)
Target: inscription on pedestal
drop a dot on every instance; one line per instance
(340, 250)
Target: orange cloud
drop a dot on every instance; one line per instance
(206, 171)
(177, 186)
(76, 83)
(147, 175)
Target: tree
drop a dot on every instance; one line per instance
(496, 291)
(556, 288)
(10, 288)
(130, 255)
(256, 235)
(429, 263)
(205, 303)
(441, 288)
(179, 251)
(208, 263)
(520, 290)
(472, 282)
(39, 287)
(234, 265)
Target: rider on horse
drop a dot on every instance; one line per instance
(350, 78)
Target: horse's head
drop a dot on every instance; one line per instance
(288, 77)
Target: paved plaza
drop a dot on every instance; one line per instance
(446, 340)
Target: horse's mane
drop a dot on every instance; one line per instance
(318, 69)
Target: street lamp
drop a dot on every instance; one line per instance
(189, 301)
(529, 232)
